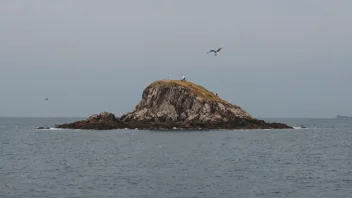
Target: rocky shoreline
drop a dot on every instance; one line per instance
(107, 121)
(174, 104)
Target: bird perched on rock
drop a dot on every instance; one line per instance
(183, 78)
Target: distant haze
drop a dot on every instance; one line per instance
(279, 58)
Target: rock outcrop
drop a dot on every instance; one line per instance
(42, 128)
(102, 121)
(168, 104)
(179, 101)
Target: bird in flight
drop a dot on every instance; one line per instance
(216, 52)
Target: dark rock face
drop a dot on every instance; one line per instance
(102, 121)
(105, 124)
(102, 116)
(42, 128)
(170, 104)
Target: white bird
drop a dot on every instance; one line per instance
(216, 52)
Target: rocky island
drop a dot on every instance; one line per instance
(176, 104)
(342, 117)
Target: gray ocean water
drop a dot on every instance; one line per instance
(313, 162)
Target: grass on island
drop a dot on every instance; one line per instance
(193, 88)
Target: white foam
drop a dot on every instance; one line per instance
(53, 128)
(297, 127)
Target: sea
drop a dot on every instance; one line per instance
(303, 162)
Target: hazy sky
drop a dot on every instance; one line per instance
(279, 58)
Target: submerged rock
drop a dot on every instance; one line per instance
(168, 104)
(42, 128)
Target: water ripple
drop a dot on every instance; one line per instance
(127, 163)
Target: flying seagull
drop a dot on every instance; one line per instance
(216, 52)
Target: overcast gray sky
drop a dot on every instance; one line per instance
(279, 58)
